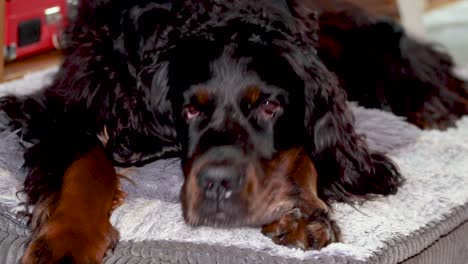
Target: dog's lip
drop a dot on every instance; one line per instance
(221, 215)
(223, 219)
(220, 218)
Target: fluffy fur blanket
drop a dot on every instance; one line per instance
(432, 202)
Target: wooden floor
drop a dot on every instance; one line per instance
(438, 3)
(17, 69)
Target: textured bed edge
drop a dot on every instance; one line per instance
(451, 248)
(424, 246)
(13, 236)
(422, 240)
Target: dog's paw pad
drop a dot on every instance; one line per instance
(298, 230)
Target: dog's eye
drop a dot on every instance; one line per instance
(268, 108)
(190, 112)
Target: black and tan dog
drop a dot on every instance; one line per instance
(252, 95)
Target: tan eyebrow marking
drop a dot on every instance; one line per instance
(251, 94)
(203, 96)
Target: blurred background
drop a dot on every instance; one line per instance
(439, 21)
(449, 26)
(30, 29)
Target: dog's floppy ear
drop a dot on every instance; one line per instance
(141, 127)
(177, 5)
(306, 19)
(192, 6)
(344, 163)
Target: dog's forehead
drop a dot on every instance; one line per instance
(230, 79)
(231, 75)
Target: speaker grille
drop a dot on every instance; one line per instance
(29, 32)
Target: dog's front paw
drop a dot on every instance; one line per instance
(58, 242)
(298, 230)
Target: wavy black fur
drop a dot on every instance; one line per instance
(380, 66)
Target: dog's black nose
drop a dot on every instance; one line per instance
(219, 182)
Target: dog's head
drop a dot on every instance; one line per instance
(232, 124)
(237, 78)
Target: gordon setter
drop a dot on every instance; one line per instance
(251, 95)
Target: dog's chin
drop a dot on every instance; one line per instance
(255, 218)
(221, 220)
(217, 220)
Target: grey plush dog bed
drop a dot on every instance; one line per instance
(426, 222)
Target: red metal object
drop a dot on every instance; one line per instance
(32, 26)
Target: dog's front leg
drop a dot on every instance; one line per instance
(308, 225)
(77, 228)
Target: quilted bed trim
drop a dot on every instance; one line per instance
(13, 236)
